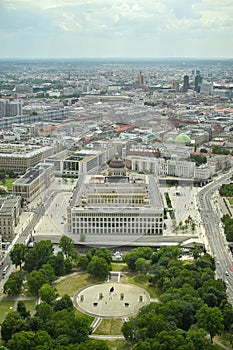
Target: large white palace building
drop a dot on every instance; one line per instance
(116, 204)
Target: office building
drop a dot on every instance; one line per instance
(34, 181)
(10, 209)
(20, 157)
(88, 161)
(186, 83)
(10, 108)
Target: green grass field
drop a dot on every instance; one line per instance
(118, 266)
(110, 326)
(30, 306)
(71, 285)
(7, 182)
(5, 307)
(119, 345)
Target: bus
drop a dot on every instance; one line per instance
(5, 269)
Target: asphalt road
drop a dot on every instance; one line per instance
(215, 236)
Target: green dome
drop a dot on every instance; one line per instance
(170, 139)
(183, 138)
(152, 135)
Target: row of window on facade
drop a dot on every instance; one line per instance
(109, 219)
(148, 231)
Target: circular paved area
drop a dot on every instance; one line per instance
(111, 300)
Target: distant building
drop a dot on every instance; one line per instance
(220, 162)
(20, 157)
(23, 89)
(140, 80)
(10, 108)
(162, 167)
(197, 82)
(10, 209)
(186, 83)
(87, 161)
(206, 88)
(204, 172)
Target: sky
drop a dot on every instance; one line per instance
(116, 28)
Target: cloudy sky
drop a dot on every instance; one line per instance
(116, 28)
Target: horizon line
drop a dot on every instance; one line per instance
(116, 58)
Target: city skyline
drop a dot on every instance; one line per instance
(103, 28)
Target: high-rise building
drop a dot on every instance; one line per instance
(140, 79)
(198, 82)
(10, 108)
(186, 83)
(175, 85)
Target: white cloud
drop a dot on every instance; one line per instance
(155, 27)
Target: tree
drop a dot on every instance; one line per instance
(227, 311)
(198, 338)
(38, 255)
(35, 280)
(203, 150)
(66, 324)
(104, 253)
(18, 253)
(197, 251)
(93, 344)
(101, 253)
(193, 226)
(28, 340)
(98, 267)
(64, 303)
(210, 319)
(44, 312)
(14, 283)
(23, 340)
(83, 262)
(57, 262)
(68, 265)
(198, 159)
(48, 293)
(67, 245)
(44, 341)
(48, 271)
(131, 257)
(13, 323)
(21, 309)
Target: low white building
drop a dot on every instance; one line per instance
(162, 167)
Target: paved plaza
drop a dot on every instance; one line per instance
(111, 300)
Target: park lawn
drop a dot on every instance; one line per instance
(231, 202)
(8, 183)
(119, 344)
(224, 339)
(118, 266)
(141, 281)
(5, 307)
(30, 306)
(110, 326)
(72, 284)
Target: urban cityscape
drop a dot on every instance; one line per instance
(119, 159)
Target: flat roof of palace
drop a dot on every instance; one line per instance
(116, 185)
